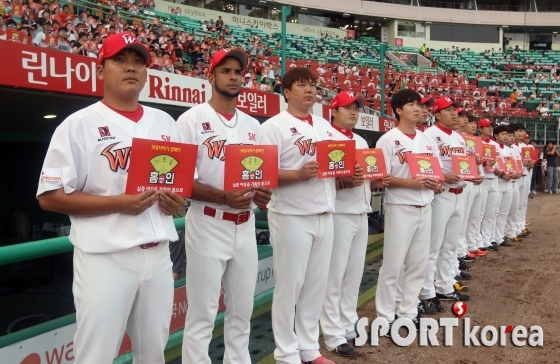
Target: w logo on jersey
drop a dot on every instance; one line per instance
(215, 148)
(305, 146)
(118, 158)
(128, 38)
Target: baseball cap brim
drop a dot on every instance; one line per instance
(134, 46)
(428, 101)
(484, 123)
(235, 53)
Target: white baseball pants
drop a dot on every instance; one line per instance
(474, 236)
(489, 205)
(524, 191)
(505, 195)
(130, 290)
(405, 253)
(511, 222)
(302, 254)
(447, 217)
(468, 192)
(219, 250)
(339, 316)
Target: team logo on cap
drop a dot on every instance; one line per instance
(128, 38)
(350, 93)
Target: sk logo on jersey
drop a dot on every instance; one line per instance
(294, 131)
(117, 158)
(104, 131)
(252, 136)
(215, 149)
(206, 126)
(397, 142)
(305, 146)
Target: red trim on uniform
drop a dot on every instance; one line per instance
(130, 115)
(308, 119)
(346, 132)
(486, 140)
(411, 136)
(228, 117)
(444, 129)
(501, 146)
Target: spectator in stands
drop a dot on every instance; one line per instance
(79, 46)
(62, 44)
(556, 106)
(551, 154)
(40, 38)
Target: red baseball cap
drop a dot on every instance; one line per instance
(483, 123)
(443, 103)
(346, 98)
(527, 136)
(115, 43)
(461, 111)
(219, 56)
(428, 101)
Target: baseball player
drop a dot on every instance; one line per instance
(300, 222)
(353, 202)
(220, 225)
(447, 209)
(473, 235)
(518, 186)
(122, 270)
(408, 199)
(425, 104)
(489, 198)
(505, 187)
(525, 184)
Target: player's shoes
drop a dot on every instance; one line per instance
(470, 255)
(344, 350)
(479, 253)
(425, 309)
(434, 303)
(453, 296)
(464, 266)
(506, 243)
(416, 321)
(459, 287)
(463, 276)
(467, 259)
(514, 240)
(319, 360)
(494, 247)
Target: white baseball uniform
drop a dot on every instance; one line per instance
(404, 247)
(524, 190)
(447, 217)
(217, 248)
(471, 220)
(339, 316)
(517, 185)
(301, 233)
(505, 196)
(488, 203)
(118, 285)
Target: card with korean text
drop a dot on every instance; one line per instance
(421, 166)
(488, 152)
(473, 144)
(336, 158)
(250, 166)
(372, 162)
(465, 167)
(160, 165)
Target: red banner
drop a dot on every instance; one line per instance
(399, 42)
(386, 124)
(51, 70)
